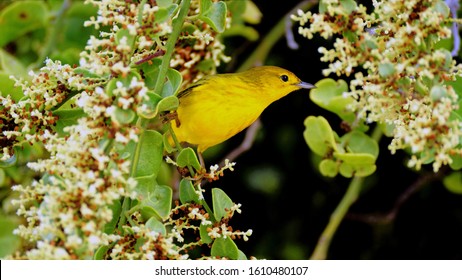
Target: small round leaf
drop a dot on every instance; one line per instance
(319, 135)
(328, 168)
(225, 248)
(187, 157)
(453, 182)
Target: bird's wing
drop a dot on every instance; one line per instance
(190, 88)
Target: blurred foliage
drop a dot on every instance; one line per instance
(288, 193)
(33, 30)
(61, 103)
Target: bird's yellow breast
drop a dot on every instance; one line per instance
(220, 106)
(214, 111)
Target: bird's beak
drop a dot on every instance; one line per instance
(305, 85)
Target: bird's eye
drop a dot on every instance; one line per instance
(284, 78)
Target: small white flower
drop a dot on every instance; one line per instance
(94, 240)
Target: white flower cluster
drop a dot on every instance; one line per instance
(404, 82)
(87, 171)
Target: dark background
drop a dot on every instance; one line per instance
(287, 203)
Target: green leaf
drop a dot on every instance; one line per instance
(225, 248)
(169, 146)
(453, 182)
(9, 162)
(206, 65)
(162, 15)
(12, 66)
(164, 12)
(115, 84)
(173, 83)
(457, 85)
(448, 59)
(116, 209)
(359, 165)
(73, 36)
(164, 101)
(351, 36)
(164, 3)
(167, 104)
(123, 37)
(387, 129)
(155, 200)
(214, 14)
(86, 73)
(442, 8)
(204, 234)
(126, 151)
(150, 72)
(67, 118)
(187, 192)
(252, 13)
(124, 116)
(322, 6)
(421, 87)
(386, 69)
(2, 177)
(428, 155)
(237, 10)
(21, 17)
(155, 225)
(446, 43)
(329, 95)
(7, 87)
(356, 159)
(328, 168)
(371, 44)
(150, 105)
(456, 163)
(346, 170)
(455, 115)
(9, 242)
(359, 142)
(437, 92)
(221, 203)
(247, 32)
(326, 89)
(187, 157)
(242, 256)
(150, 155)
(365, 170)
(156, 104)
(69, 56)
(100, 253)
(319, 135)
(348, 6)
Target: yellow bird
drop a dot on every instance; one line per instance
(218, 107)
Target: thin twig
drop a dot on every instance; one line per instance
(291, 43)
(246, 144)
(259, 55)
(454, 7)
(151, 56)
(385, 218)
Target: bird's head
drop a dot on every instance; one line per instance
(273, 81)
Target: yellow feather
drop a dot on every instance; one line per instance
(220, 106)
